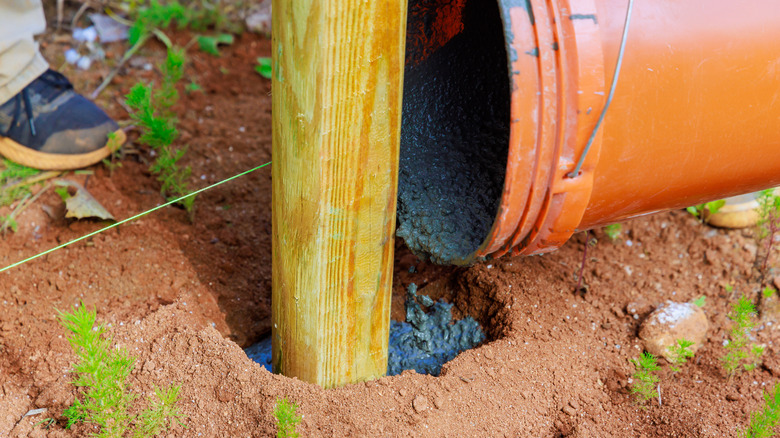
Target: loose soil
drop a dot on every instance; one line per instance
(185, 297)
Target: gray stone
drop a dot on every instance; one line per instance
(672, 321)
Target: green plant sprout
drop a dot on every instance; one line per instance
(645, 380)
(756, 351)
(7, 222)
(152, 113)
(210, 44)
(114, 160)
(151, 18)
(192, 87)
(768, 292)
(699, 302)
(763, 422)
(613, 231)
(45, 423)
(702, 211)
(101, 374)
(680, 353)
(287, 419)
(739, 349)
(162, 15)
(768, 227)
(157, 418)
(16, 186)
(13, 185)
(264, 69)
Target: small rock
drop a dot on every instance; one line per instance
(574, 404)
(438, 402)
(224, 394)
(259, 20)
(568, 410)
(402, 392)
(420, 404)
(672, 321)
(638, 308)
(710, 256)
(618, 311)
(606, 325)
(751, 248)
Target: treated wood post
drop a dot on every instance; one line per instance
(337, 86)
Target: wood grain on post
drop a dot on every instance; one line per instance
(337, 87)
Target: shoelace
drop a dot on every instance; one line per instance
(28, 109)
(50, 77)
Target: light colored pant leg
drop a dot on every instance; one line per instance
(20, 60)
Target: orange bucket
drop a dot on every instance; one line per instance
(501, 98)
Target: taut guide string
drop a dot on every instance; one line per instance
(173, 201)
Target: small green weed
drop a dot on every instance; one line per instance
(153, 115)
(162, 15)
(287, 418)
(12, 181)
(768, 228)
(739, 350)
(768, 292)
(763, 422)
(7, 222)
(264, 69)
(210, 44)
(699, 302)
(113, 161)
(701, 211)
(680, 353)
(101, 373)
(157, 418)
(45, 423)
(613, 231)
(192, 87)
(645, 380)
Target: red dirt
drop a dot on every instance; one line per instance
(184, 297)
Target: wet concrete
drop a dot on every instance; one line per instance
(454, 138)
(429, 339)
(425, 342)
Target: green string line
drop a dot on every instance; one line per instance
(130, 218)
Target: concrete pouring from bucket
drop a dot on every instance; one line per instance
(424, 343)
(454, 133)
(501, 98)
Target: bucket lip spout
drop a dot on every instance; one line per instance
(556, 69)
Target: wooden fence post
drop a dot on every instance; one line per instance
(337, 87)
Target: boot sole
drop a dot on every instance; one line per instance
(46, 161)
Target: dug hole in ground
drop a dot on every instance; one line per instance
(184, 298)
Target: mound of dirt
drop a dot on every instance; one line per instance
(184, 297)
